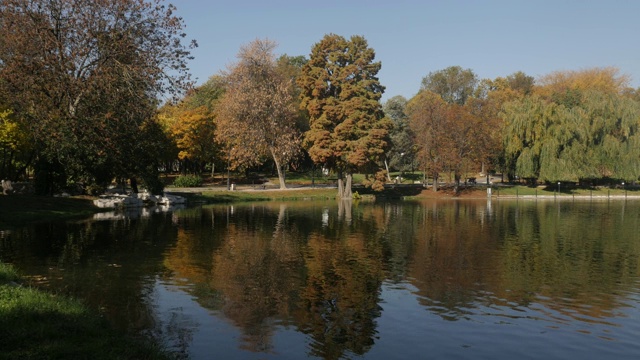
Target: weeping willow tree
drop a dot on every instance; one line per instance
(576, 135)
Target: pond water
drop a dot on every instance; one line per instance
(429, 280)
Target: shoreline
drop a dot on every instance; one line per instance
(17, 210)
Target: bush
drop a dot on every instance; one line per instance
(188, 181)
(94, 189)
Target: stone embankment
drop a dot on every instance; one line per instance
(117, 201)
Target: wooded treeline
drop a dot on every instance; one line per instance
(97, 91)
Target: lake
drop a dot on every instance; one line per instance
(466, 279)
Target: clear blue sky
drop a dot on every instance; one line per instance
(412, 38)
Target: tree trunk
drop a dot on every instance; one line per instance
(280, 171)
(344, 187)
(435, 182)
(346, 191)
(388, 173)
(134, 184)
(456, 186)
(24, 168)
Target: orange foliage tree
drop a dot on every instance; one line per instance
(341, 93)
(257, 114)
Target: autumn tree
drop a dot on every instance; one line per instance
(486, 103)
(84, 77)
(464, 140)
(257, 113)
(191, 126)
(452, 123)
(607, 80)
(16, 148)
(193, 132)
(341, 93)
(428, 120)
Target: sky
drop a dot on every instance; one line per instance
(412, 38)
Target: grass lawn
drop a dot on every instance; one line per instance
(40, 325)
(224, 196)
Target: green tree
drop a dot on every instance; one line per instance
(401, 155)
(291, 68)
(341, 93)
(454, 84)
(593, 137)
(207, 94)
(85, 77)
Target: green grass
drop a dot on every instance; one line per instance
(224, 196)
(17, 210)
(305, 178)
(40, 325)
(521, 190)
(7, 273)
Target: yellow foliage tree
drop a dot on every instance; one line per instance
(15, 146)
(606, 79)
(192, 131)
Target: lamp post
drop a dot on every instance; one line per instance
(228, 172)
(401, 166)
(558, 188)
(625, 190)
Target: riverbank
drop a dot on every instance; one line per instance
(18, 210)
(40, 325)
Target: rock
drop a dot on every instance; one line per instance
(173, 200)
(6, 187)
(117, 201)
(137, 200)
(148, 199)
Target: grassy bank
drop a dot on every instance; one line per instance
(225, 196)
(564, 191)
(40, 325)
(17, 210)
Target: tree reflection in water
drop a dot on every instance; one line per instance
(284, 268)
(318, 268)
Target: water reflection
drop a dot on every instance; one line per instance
(345, 275)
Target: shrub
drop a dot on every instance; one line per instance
(94, 189)
(188, 181)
